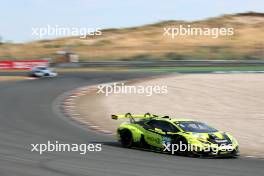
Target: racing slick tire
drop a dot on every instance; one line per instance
(126, 138)
(182, 142)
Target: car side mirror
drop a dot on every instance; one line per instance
(161, 131)
(158, 130)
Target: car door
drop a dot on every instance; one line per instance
(151, 136)
(156, 132)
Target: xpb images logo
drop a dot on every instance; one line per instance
(63, 147)
(121, 88)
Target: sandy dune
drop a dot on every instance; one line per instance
(229, 102)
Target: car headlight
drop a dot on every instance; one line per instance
(233, 140)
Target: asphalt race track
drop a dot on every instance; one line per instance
(28, 114)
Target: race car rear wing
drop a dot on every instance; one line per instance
(132, 117)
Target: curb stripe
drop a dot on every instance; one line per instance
(67, 107)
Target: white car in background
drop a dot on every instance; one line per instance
(42, 72)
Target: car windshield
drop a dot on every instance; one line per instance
(42, 68)
(197, 127)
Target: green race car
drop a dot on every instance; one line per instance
(176, 136)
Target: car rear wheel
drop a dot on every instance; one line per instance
(126, 138)
(31, 75)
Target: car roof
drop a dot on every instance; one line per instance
(173, 120)
(181, 120)
(41, 67)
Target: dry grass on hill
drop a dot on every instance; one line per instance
(148, 42)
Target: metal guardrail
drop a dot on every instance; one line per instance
(168, 63)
